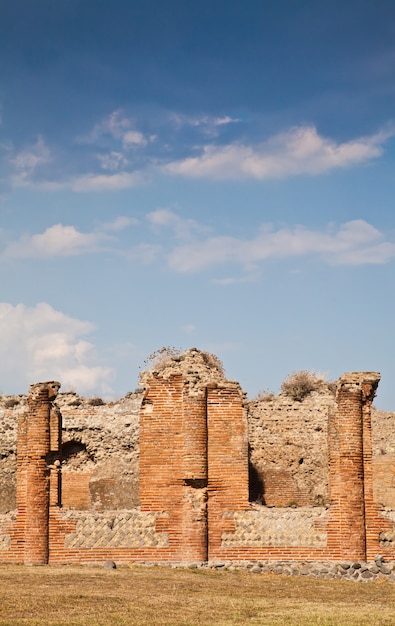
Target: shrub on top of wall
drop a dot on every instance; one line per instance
(95, 402)
(9, 403)
(299, 385)
(159, 359)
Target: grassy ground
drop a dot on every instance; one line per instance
(157, 596)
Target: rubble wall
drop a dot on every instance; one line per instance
(287, 440)
(194, 458)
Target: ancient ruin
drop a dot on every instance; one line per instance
(188, 471)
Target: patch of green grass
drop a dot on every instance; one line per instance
(156, 596)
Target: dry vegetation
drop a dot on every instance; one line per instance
(143, 596)
(299, 385)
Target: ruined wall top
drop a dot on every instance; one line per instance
(367, 382)
(199, 370)
(38, 389)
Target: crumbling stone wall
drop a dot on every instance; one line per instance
(289, 449)
(10, 409)
(194, 487)
(100, 451)
(287, 439)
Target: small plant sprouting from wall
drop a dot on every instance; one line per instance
(299, 385)
(11, 402)
(161, 358)
(265, 395)
(95, 401)
(213, 362)
(158, 359)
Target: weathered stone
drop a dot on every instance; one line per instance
(205, 407)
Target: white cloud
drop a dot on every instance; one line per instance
(182, 227)
(28, 160)
(298, 151)
(222, 121)
(354, 243)
(39, 343)
(104, 182)
(112, 161)
(57, 240)
(203, 121)
(134, 138)
(119, 223)
(115, 125)
(118, 127)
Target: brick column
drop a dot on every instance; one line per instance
(55, 433)
(173, 463)
(373, 523)
(194, 523)
(227, 461)
(37, 449)
(348, 471)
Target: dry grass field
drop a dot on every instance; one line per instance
(155, 596)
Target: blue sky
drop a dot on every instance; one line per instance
(217, 174)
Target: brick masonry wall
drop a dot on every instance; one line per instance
(289, 449)
(384, 480)
(194, 484)
(227, 461)
(76, 490)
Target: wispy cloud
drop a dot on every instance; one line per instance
(208, 124)
(58, 240)
(298, 151)
(118, 155)
(120, 223)
(116, 124)
(65, 241)
(27, 160)
(40, 343)
(112, 161)
(106, 182)
(119, 127)
(134, 138)
(353, 243)
(181, 227)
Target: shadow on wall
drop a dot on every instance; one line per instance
(256, 485)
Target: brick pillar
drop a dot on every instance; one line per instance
(373, 523)
(21, 479)
(227, 461)
(55, 434)
(347, 440)
(37, 489)
(194, 522)
(173, 463)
